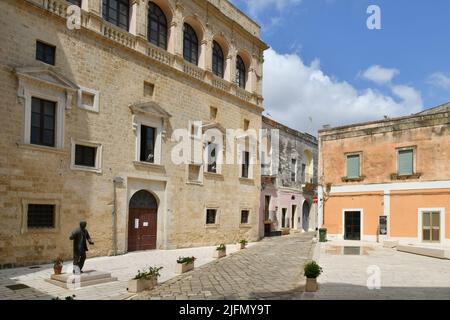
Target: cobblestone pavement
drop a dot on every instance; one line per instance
(403, 275)
(271, 269)
(124, 267)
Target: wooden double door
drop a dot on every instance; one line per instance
(142, 222)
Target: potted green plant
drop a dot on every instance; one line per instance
(312, 271)
(221, 251)
(185, 264)
(58, 265)
(243, 243)
(145, 280)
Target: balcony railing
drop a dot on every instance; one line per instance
(95, 23)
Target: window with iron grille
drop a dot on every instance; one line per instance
(45, 52)
(157, 26)
(147, 144)
(85, 156)
(40, 216)
(211, 216)
(240, 72)
(117, 12)
(218, 60)
(245, 164)
(294, 170)
(244, 216)
(190, 44)
(43, 114)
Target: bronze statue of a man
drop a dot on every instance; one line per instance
(80, 236)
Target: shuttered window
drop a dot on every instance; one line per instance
(353, 170)
(405, 162)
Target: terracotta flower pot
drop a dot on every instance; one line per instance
(311, 285)
(57, 269)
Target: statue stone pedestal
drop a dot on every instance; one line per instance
(87, 278)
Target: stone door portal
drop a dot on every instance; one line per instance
(142, 222)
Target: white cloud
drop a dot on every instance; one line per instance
(257, 6)
(379, 74)
(440, 80)
(294, 92)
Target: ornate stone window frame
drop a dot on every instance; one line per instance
(45, 83)
(152, 115)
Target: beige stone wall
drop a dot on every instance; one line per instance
(29, 173)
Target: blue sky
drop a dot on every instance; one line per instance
(338, 71)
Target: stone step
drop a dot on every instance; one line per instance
(441, 253)
(87, 278)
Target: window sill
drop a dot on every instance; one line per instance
(195, 183)
(40, 230)
(36, 147)
(357, 179)
(86, 169)
(245, 226)
(211, 226)
(148, 165)
(246, 180)
(395, 176)
(213, 175)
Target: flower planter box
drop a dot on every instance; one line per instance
(184, 267)
(243, 246)
(220, 254)
(285, 231)
(311, 285)
(140, 285)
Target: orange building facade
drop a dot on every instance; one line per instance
(388, 179)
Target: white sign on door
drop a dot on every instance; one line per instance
(145, 224)
(136, 223)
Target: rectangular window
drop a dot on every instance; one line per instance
(85, 156)
(353, 163)
(43, 115)
(245, 164)
(45, 52)
(303, 173)
(244, 216)
(117, 12)
(211, 216)
(294, 170)
(266, 208)
(75, 2)
(212, 157)
(283, 217)
(40, 216)
(405, 162)
(147, 144)
(431, 226)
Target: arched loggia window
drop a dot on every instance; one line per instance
(217, 60)
(240, 72)
(190, 44)
(117, 12)
(157, 26)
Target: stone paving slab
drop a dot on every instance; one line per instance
(403, 275)
(124, 267)
(271, 269)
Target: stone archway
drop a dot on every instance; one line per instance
(305, 215)
(142, 221)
